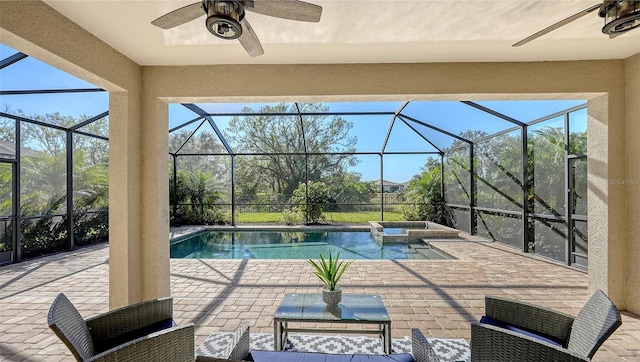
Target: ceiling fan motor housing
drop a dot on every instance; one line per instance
(620, 15)
(224, 17)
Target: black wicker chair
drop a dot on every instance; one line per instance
(524, 332)
(139, 332)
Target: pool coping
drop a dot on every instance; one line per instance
(179, 233)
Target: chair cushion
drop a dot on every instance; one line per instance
(500, 324)
(281, 356)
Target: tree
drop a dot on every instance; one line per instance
(346, 190)
(203, 169)
(90, 181)
(195, 196)
(424, 195)
(206, 153)
(546, 170)
(43, 164)
(7, 128)
(285, 139)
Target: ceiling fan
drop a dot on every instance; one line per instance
(619, 16)
(226, 18)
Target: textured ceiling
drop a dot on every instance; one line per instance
(360, 32)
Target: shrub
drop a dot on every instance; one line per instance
(312, 200)
(291, 217)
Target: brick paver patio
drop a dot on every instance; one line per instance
(439, 297)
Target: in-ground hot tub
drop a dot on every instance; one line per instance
(410, 231)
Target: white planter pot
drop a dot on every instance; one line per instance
(332, 297)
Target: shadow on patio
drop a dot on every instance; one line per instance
(439, 297)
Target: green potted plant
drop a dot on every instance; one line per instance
(330, 270)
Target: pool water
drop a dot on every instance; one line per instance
(395, 231)
(294, 245)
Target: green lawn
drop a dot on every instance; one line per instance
(361, 217)
(259, 217)
(331, 217)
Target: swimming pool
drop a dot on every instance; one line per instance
(295, 245)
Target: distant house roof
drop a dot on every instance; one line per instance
(391, 183)
(8, 149)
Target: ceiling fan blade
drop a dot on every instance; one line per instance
(557, 25)
(249, 40)
(179, 16)
(287, 9)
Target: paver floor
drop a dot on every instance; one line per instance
(441, 297)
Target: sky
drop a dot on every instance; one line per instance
(370, 130)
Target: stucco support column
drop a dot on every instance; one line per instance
(155, 199)
(606, 195)
(138, 200)
(632, 145)
(125, 249)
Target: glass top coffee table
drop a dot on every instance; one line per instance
(363, 309)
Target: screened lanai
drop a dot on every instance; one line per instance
(393, 161)
(375, 161)
(53, 159)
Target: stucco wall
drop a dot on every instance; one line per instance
(466, 81)
(632, 262)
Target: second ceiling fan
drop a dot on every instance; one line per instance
(619, 16)
(226, 18)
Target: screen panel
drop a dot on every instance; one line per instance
(43, 235)
(499, 172)
(7, 138)
(579, 186)
(43, 182)
(506, 229)
(90, 228)
(457, 177)
(580, 247)
(547, 166)
(578, 132)
(461, 219)
(549, 238)
(90, 173)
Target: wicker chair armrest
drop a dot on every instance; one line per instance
(173, 344)
(495, 344)
(242, 346)
(419, 346)
(110, 325)
(238, 349)
(424, 350)
(542, 321)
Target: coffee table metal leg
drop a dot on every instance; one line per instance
(277, 335)
(386, 330)
(285, 334)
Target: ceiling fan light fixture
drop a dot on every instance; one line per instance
(226, 18)
(224, 27)
(223, 18)
(620, 16)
